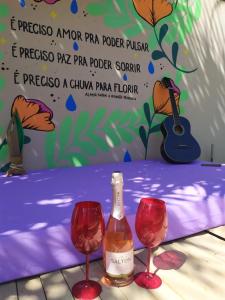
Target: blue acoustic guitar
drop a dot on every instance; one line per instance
(178, 145)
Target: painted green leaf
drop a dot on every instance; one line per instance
(4, 10)
(64, 135)
(133, 31)
(97, 140)
(143, 136)
(175, 48)
(157, 54)
(59, 148)
(87, 147)
(152, 41)
(179, 76)
(19, 130)
(136, 118)
(50, 145)
(163, 31)
(125, 127)
(184, 26)
(171, 35)
(94, 127)
(80, 127)
(1, 105)
(193, 10)
(125, 119)
(147, 113)
(2, 27)
(125, 135)
(155, 128)
(140, 118)
(184, 95)
(131, 123)
(4, 154)
(196, 10)
(98, 117)
(97, 9)
(158, 119)
(150, 102)
(80, 124)
(93, 132)
(182, 20)
(116, 22)
(79, 160)
(122, 15)
(110, 128)
(76, 159)
(2, 83)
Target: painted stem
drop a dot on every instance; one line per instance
(169, 60)
(149, 132)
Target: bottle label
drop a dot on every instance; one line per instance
(119, 263)
(117, 209)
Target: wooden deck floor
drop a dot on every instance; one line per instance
(201, 276)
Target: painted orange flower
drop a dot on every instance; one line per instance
(153, 11)
(34, 114)
(161, 98)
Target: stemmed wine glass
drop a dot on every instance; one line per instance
(151, 227)
(87, 230)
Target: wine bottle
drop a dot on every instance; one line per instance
(118, 252)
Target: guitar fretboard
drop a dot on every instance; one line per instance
(168, 84)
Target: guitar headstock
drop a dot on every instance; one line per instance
(167, 83)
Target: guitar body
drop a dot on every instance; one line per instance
(178, 145)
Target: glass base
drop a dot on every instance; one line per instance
(86, 289)
(147, 280)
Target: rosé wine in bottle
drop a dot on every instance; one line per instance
(118, 253)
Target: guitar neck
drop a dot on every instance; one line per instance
(174, 106)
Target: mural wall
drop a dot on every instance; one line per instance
(85, 76)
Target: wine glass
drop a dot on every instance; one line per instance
(87, 230)
(151, 227)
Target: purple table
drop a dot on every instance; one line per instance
(35, 209)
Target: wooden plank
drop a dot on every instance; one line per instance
(220, 231)
(203, 271)
(97, 273)
(55, 286)
(134, 292)
(200, 277)
(30, 289)
(73, 275)
(8, 291)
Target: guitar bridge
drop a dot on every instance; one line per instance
(183, 147)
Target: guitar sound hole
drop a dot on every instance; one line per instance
(178, 129)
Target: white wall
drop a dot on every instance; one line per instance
(202, 48)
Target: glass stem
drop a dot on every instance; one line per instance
(148, 259)
(87, 267)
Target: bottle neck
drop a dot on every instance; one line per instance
(118, 207)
